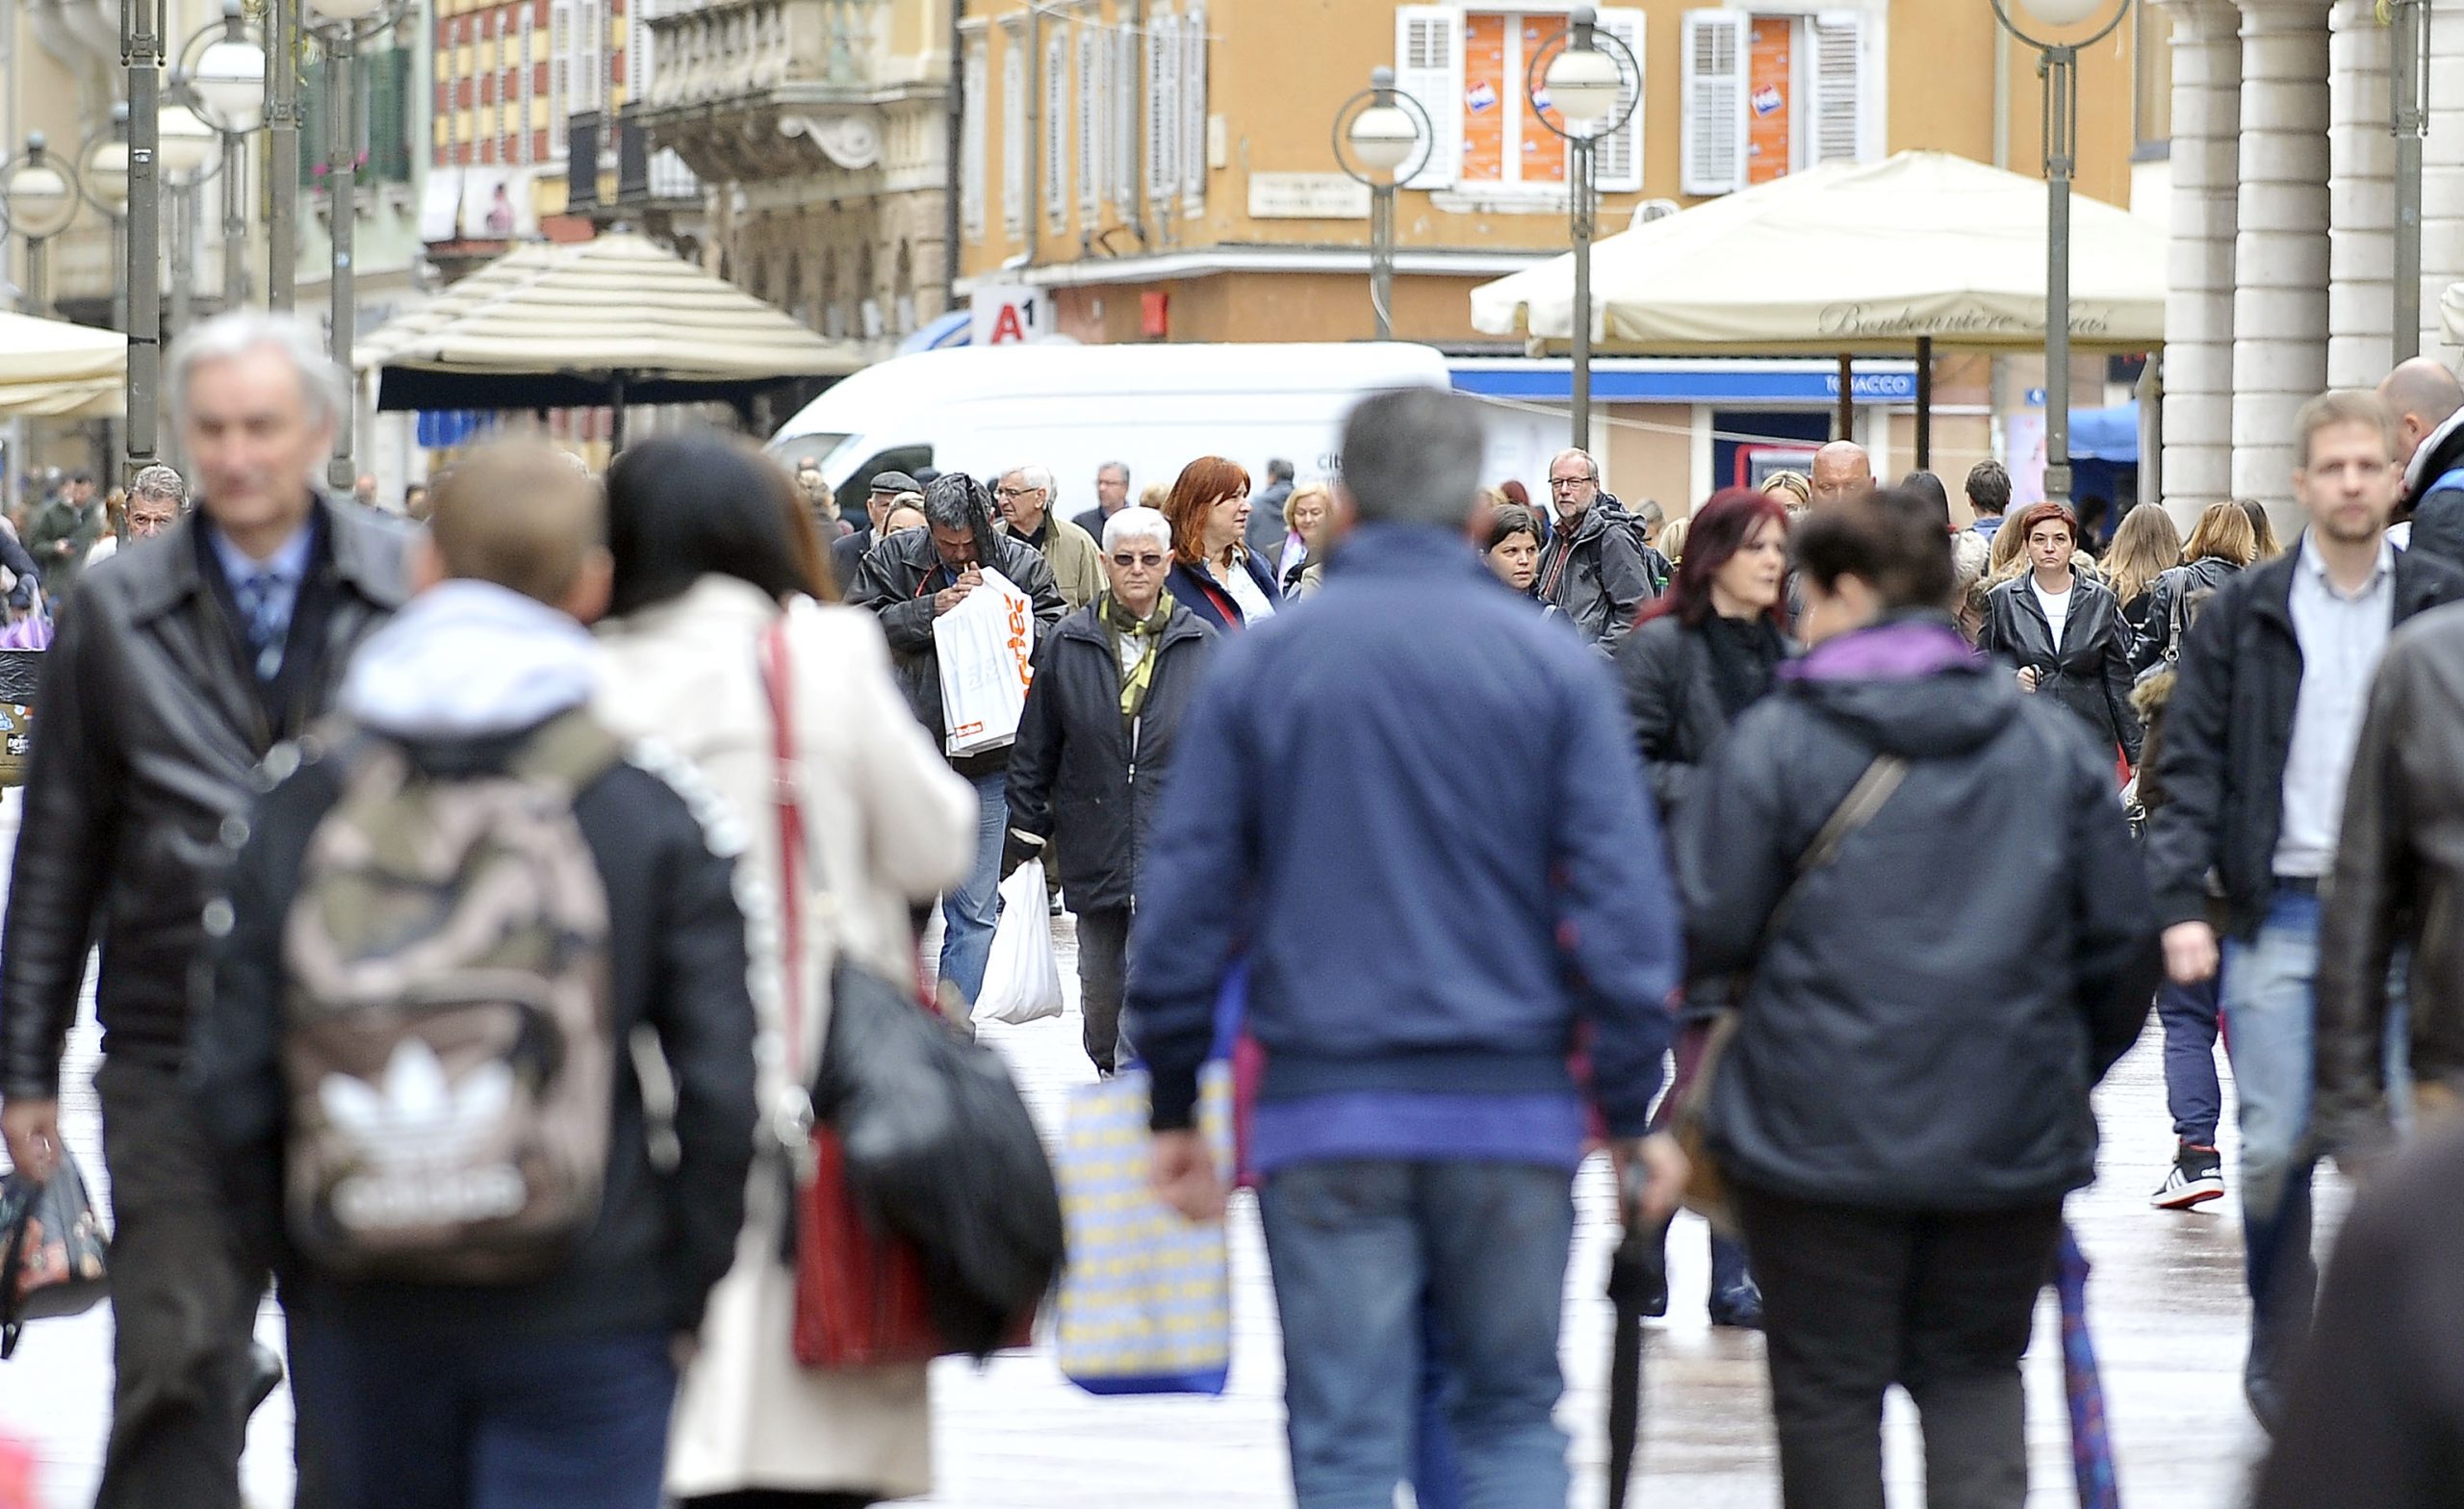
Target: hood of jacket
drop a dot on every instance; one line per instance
(2441, 451)
(1605, 511)
(1907, 685)
(467, 659)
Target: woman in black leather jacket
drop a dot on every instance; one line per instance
(2221, 547)
(2064, 631)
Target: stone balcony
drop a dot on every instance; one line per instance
(753, 89)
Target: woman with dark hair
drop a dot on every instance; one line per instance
(713, 604)
(1703, 651)
(1213, 573)
(2262, 528)
(1904, 1101)
(2064, 632)
(1513, 549)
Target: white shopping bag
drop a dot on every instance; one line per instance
(1021, 982)
(986, 648)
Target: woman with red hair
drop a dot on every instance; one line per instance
(1214, 574)
(1700, 655)
(2063, 631)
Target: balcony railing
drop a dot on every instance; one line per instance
(734, 48)
(644, 174)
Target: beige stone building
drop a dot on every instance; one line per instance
(820, 130)
(1163, 170)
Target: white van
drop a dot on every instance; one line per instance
(982, 410)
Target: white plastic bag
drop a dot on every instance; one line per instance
(986, 648)
(1021, 982)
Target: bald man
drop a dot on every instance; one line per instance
(1842, 473)
(2428, 405)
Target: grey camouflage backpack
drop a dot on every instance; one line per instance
(447, 1039)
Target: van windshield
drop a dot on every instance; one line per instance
(794, 450)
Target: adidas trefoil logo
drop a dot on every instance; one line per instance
(414, 1133)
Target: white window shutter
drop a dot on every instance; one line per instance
(1163, 107)
(1091, 121)
(1619, 156)
(1840, 89)
(1428, 67)
(974, 136)
(1123, 85)
(1056, 128)
(1714, 126)
(1194, 153)
(560, 72)
(1013, 131)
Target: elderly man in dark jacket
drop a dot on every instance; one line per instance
(1112, 686)
(1596, 569)
(180, 667)
(908, 580)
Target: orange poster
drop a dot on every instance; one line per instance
(1485, 92)
(1770, 79)
(1544, 151)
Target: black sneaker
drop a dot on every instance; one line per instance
(2196, 1177)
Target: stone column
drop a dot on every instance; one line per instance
(2280, 241)
(2198, 308)
(2443, 176)
(2361, 198)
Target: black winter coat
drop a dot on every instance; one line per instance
(677, 965)
(898, 580)
(149, 728)
(1215, 608)
(2177, 593)
(2227, 729)
(1674, 701)
(1080, 779)
(1921, 1031)
(2088, 672)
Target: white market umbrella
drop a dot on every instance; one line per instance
(1851, 259)
(51, 369)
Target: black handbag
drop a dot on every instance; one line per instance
(53, 1264)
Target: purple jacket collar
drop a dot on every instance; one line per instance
(1897, 649)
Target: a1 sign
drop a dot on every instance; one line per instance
(1008, 315)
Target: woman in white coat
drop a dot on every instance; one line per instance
(709, 541)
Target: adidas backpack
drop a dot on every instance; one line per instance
(446, 1041)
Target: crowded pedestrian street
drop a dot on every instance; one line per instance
(1013, 1434)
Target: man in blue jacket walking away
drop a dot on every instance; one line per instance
(1411, 804)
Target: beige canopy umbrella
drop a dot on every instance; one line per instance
(51, 369)
(1851, 258)
(2450, 312)
(613, 320)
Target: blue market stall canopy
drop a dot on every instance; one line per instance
(617, 319)
(2106, 434)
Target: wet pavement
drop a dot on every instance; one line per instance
(2166, 1304)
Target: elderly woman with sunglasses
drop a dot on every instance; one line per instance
(1112, 682)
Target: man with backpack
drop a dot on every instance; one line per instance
(1596, 567)
(461, 928)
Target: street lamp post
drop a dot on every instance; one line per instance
(282, 156)
(1592, 84)
(41, 200)
(2409, 95)
(341, 38)
(1376, 131)
(2058, 63)
(188, 146)
(141, 28)
(228, 84)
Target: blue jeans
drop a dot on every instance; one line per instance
(417, 1420)
(970, 912)
(2187, 1014)
(1354, 1245)
(2270, 1016)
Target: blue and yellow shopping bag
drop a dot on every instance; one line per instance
(1146, 1299)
